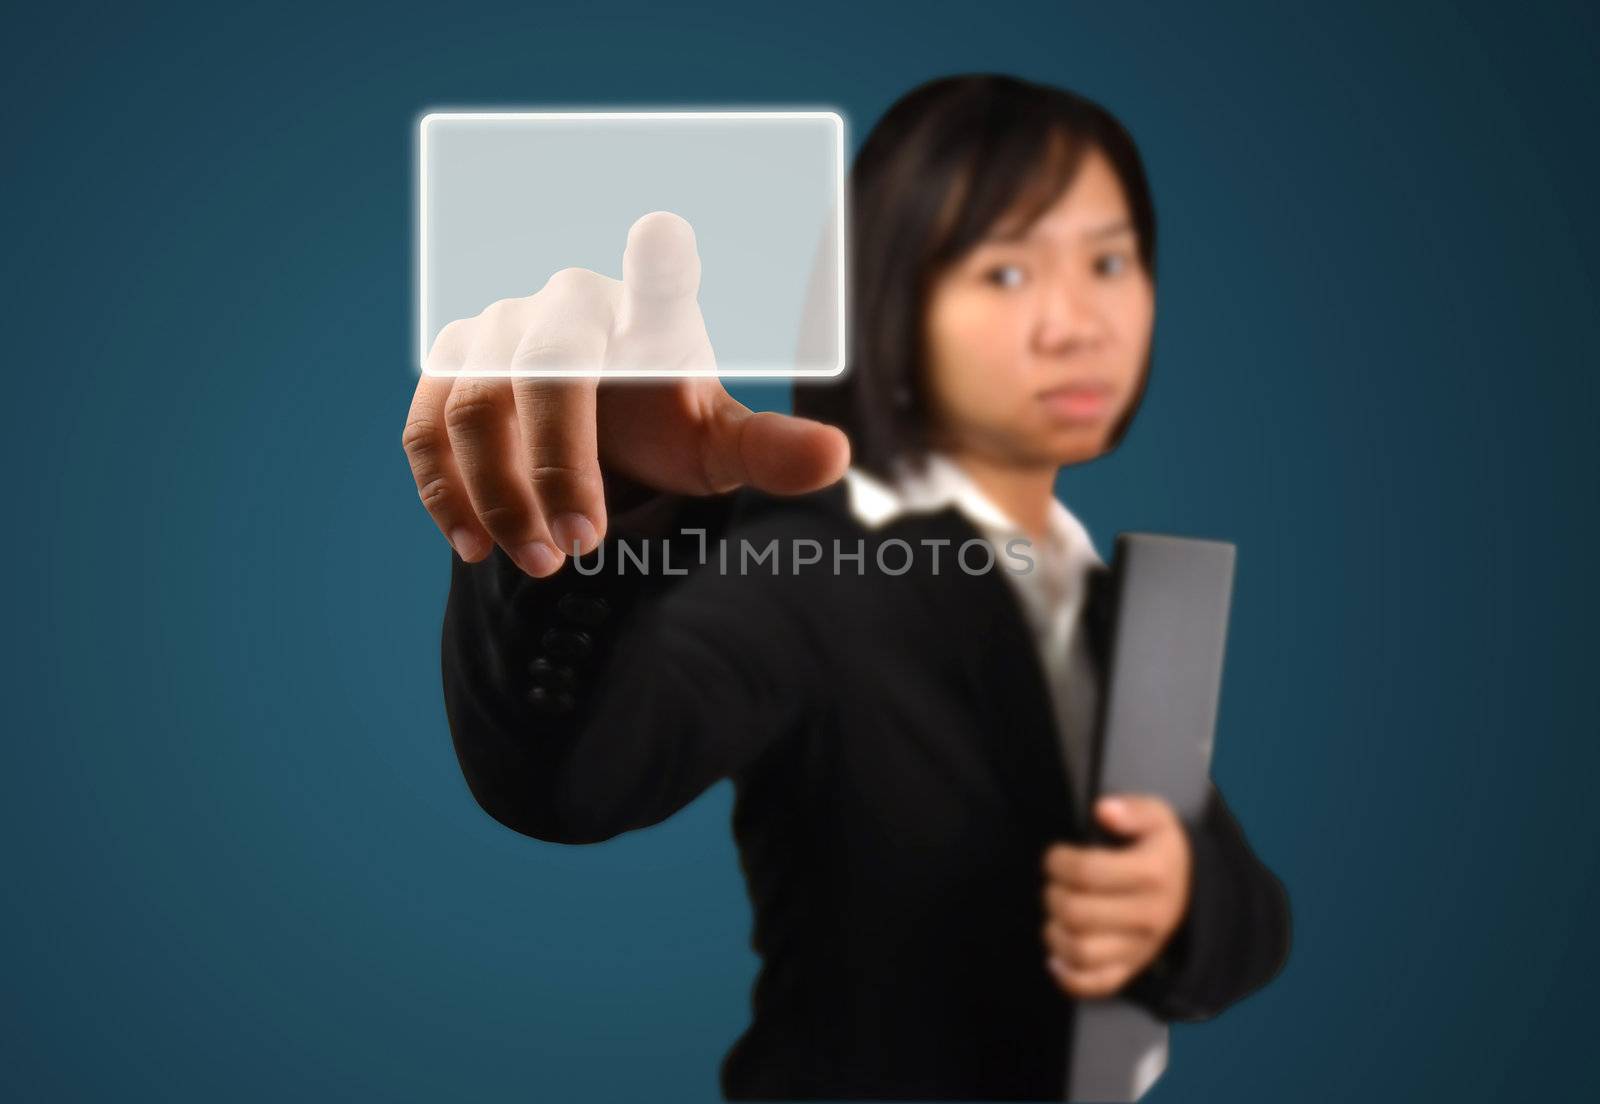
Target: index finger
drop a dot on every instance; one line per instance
(660, 269)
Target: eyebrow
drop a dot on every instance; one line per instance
(1098, 233)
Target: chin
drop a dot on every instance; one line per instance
(1077, 446)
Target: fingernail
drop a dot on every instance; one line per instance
(538, 558)
(1111, 807)
(466, 543)
(573, 533)
(1057, 965)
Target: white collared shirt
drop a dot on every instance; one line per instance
(1051, 594)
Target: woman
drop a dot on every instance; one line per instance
(927, 902)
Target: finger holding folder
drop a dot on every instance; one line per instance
(1166, 913)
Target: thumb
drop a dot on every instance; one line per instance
(772, 452)
(660, 268)
(1133, 814)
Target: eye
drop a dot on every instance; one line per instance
(1006, 275)
(1111, 264)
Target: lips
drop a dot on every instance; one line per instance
(1086, 401)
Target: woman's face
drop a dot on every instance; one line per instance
(1036, 343)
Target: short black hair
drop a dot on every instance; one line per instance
(945, 162)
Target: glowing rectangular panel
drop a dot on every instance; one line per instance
(507, 198)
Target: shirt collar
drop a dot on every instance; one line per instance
(941, 483)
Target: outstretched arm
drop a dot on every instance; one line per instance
(581, 707)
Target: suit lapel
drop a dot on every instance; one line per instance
(1098, 609)
(997, 652)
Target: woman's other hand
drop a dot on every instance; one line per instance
(1109, 911)
(517, 460)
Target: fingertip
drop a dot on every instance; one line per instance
(538, 559)
(657, 227)
(788, 455)
(661, 260)
(470, 545)
(841, 451)
(574, 534)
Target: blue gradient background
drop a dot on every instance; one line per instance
(240, 862)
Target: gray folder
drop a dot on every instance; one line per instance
(1158, 715)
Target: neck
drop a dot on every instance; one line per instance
(1023, 492)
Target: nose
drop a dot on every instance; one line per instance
(1068, 320)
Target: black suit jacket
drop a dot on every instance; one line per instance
(897, 780)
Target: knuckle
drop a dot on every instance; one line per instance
(452, 340)
(502, 519)
(558, 454)
(471, 409)
(561, 456)
(435, 493)
(419, 437)
(542, 347)
(552, 474)
(499, 311)
(491, 336)
(569, 344)
(565, 279)
(552, 467)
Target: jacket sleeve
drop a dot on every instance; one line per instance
(1235, 935)
(583, 705)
